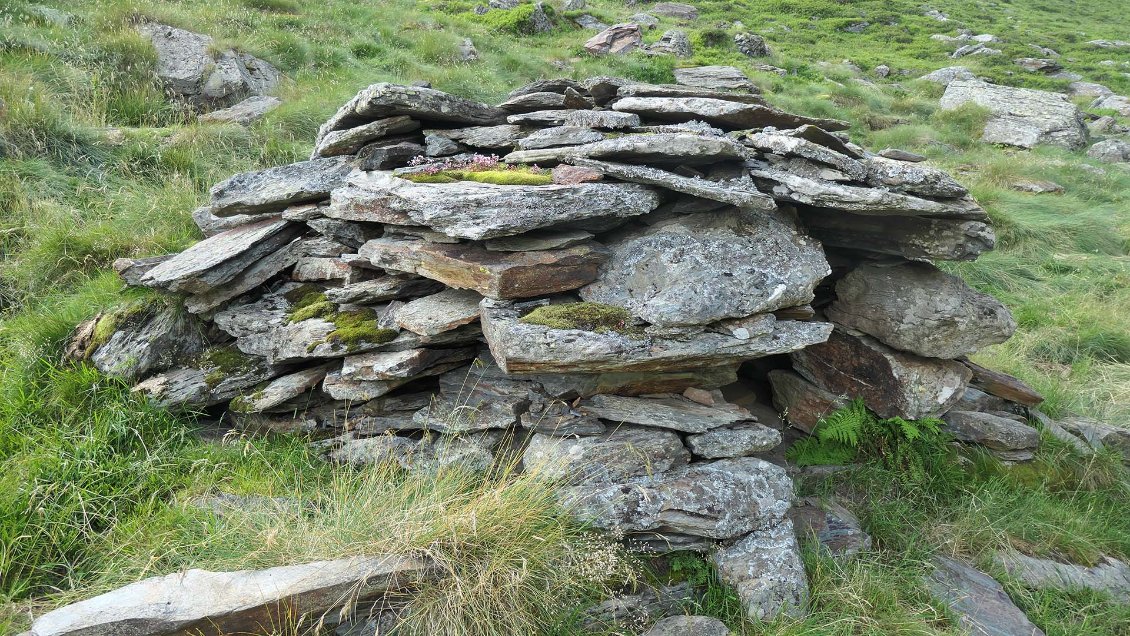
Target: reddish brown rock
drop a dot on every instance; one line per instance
(1003, 385)
(565, 174)
(616, 40)
(801, 402)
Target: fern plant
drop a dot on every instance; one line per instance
(854, 434)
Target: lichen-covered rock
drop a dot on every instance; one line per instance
(244, 113)
(765, 570)
(981, 604)
(136, 340)
(1021, 117)
(271, 190)
(440, 312)
(911, 237)
(699, 269)
(717, 112)
(738, 440)
(912, 178)
(419, 456)
(612, 457)
(834, 527)
(918, 308)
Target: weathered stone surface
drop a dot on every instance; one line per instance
(834, 527)
(1118, 103)
(1015, 441)
(981, 604)
(572, 385)
(722, 499)
(1003, 385)
(662, 148)
(559, 418)
(391, 365)
(918, 308)
(311, 269)
(529, 102)
(538, 240)
(493, 137)
(673, 42)
(420, 456)
(689, 626)
(716, 112)
(145, 339)
(675, 90)
(382, 289)
(765, 570)
(440, 312)
(1110, 151)
(1020, 116)
(739, 192)
(525, 348)
(707, 267)
(617, 39)
(677, 10)
(388, 100)
(492, 274)
(738, 440)
(475, 399)
(945, 76)
(1036, 186)
(627, 610)
(388, 154)
(273, 189)
(714, 77)
(477, 211)
(206, 384)
(555, 85)
(244, 113)
(787, 145)
(350, 140)
(623, 453)
(338, 387)
(751, 45)
(1109, 575)
(541, 117)
(211, 224)
(234, 602)
(675, 412)
(783, 185)
(602, 119)
(902, 155)
(247, 318)
(219, 258)
(912, 178)
(560, 136)
(915, 238)
(258, 272)
(131, 270)
(892, 383)
(279, 390)
(1099, 434)
(801, 402)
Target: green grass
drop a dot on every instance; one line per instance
(96, 164)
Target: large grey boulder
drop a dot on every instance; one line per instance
(765, 570)
(1021, 117)
(702, 268)
(623, 453)
(472, 210)
(1109, 575)
(188, 68)
(235, 602)
(981, 604)
(723, 499)
(892, 383)
(271, 190)
(918, 308)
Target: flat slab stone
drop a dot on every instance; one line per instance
(389, 100)
(983, 607)
(274, 189)
(717, 112)
(834, 527)
(478, 211)
(560, 136)
(698, 269)
(417, 456)
(681, 148)
(538, 240)
(892, 383)
(492, 274)
(673, 90)
(384, 288)
(675, 413)
(350, 140)
(493, 137)
(219, 258)
(476, 398)
(914, 238)
(1013, 440)
(689, 626)
(1099, 435)
(1021, 117)
(279, 390)
(525, 348)
(392, 365)
(620, 454)
(601, 119)
(801, 402)
(736, 440)
(765, 570)
(440, 312)
(794, 146)
(146, 339)
(714, 77)
(235, 602)
(740, 192)
(918, 308)
(258, 272)
(1109, 575)
(1003, 385)
(723, 499)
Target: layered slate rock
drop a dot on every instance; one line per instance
(1021, 117)
(1005, 437)
(765, 570)
(918, 308)
(801, 402)
(1109, 575)
(914, 238)
(981, 604)
(622, 453)
(716, 112)
(832, 526)
(675, 412)
(273, 189)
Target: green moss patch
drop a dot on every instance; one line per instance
(584, 316)
(497, 177)
(356, 327)
(128, 315)
(312, 304)
(221, 363)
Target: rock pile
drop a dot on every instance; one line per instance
(634, 246)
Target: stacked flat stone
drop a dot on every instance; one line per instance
(341, 294)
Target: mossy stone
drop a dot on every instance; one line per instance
(584, 316)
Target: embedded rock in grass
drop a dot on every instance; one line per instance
(783, 185)
(617, 39)
(526, 348)
(492, 274)
(801, 402)
(220, 258)
(440, 312)
(1110, 151)
(681, 148)
(425, 104)
(279, 390)
(981, 604)
(673, 42)
(138, 339)
(391, 365)
(914, 238)
(723, 499)
(902, 155)
(492, 137)
(1109, 575)
(674, 412)
(740, 192)
(273, 189)
(244, 113)
(675, 90)
(622, 453)
(695, 270)
(689, 626)
(1099, 435)
(737, 440)
(679, 11)
(236, 602)
(571, 385)
(647, 604)
(765, 570)
(892, 383)
(834, 527)
(472, 210)
(717, 112)
(350, 140)
(945, 76)
(1021, 117)
(476, 399)
(918, 308)
(714, 78)
(1004, 437)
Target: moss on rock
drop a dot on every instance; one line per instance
(359, 326)
(312, 304)
(221, 362)
(584, 316)
(514, 176)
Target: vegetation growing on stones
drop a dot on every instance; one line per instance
(585, 316)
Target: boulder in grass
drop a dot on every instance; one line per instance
(617, 39)
(1021, 117)
(979, 601)
(766, 572)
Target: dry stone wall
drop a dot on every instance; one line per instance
(418, 300)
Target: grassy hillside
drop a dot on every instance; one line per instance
(96, 163)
